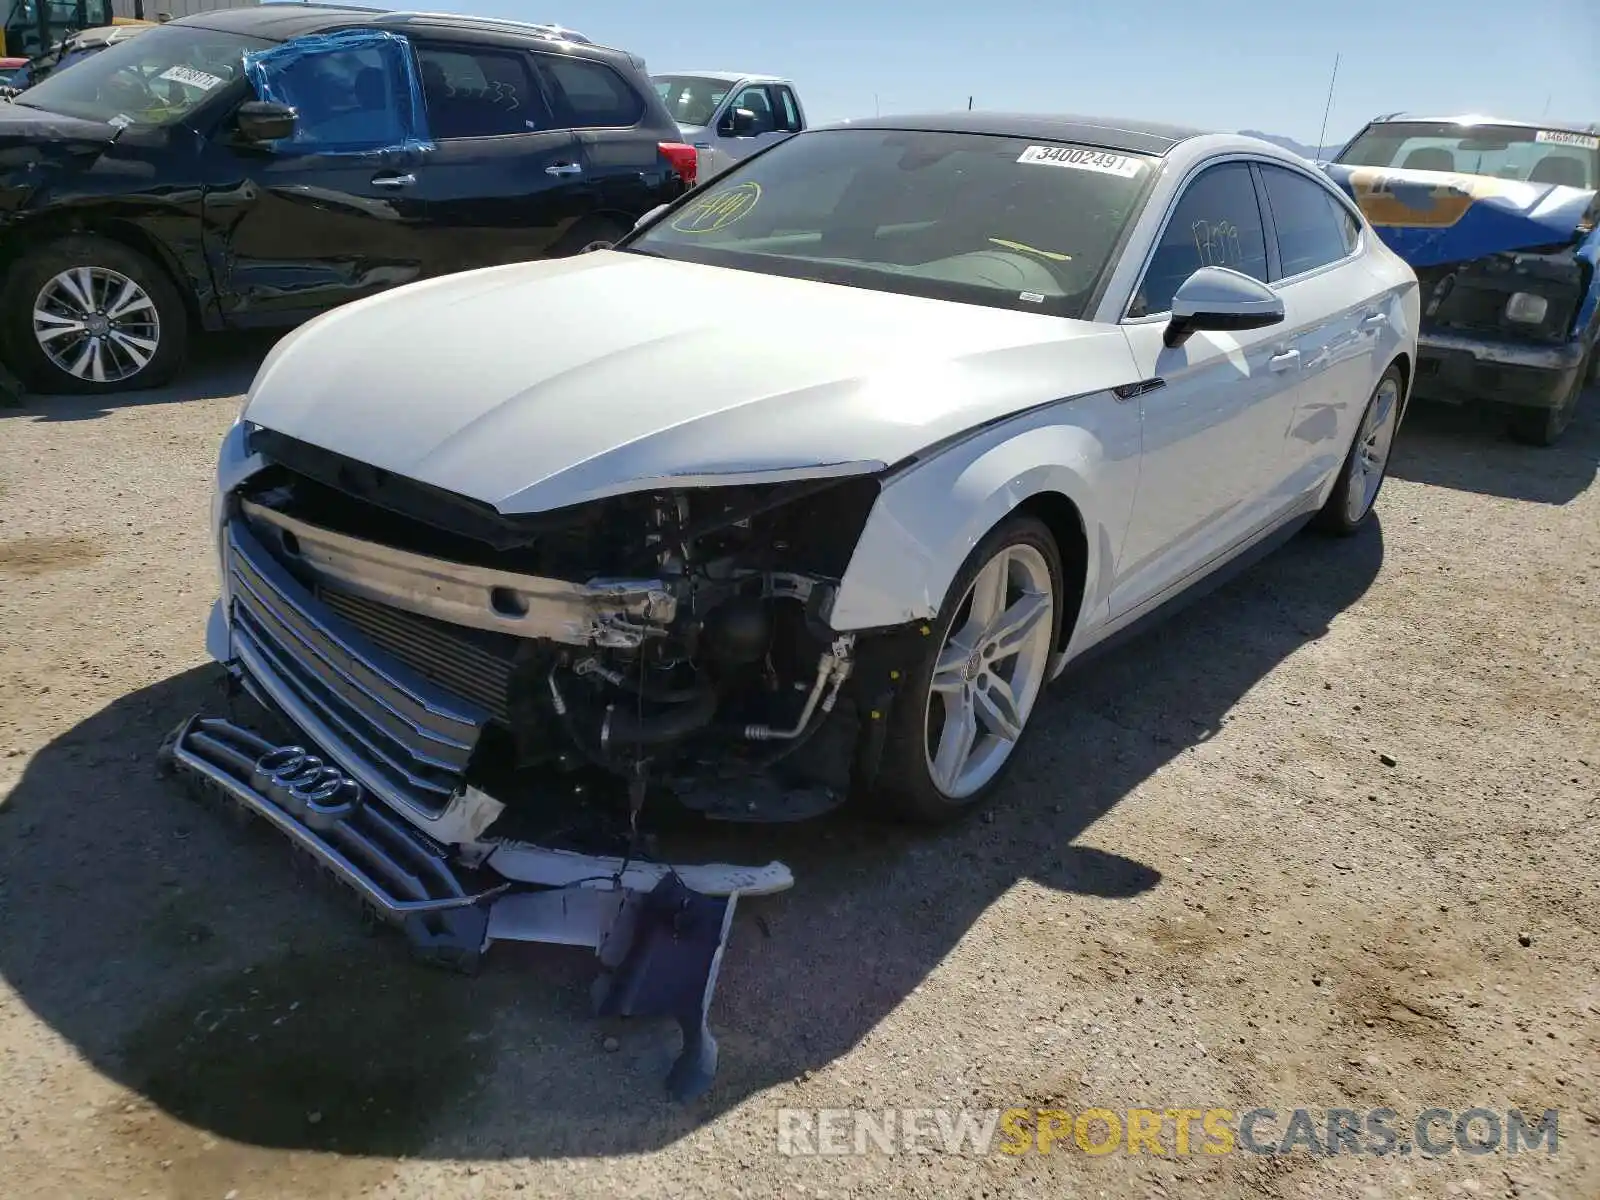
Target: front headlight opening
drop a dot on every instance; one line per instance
(1526, 308)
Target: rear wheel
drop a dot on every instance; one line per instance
(956, 725)
(89, 315)
(1367, 464)
(1544, 426)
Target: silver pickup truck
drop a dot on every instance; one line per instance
(729, 115)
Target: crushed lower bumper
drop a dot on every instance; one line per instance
(1461, 369)
(659, 940)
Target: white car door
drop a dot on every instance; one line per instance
(1220, 407)
(1332, 319)
(770, 126)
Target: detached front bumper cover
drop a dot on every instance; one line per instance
(659, 941)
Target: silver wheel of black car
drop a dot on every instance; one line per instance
(87, 314)
(96, 324)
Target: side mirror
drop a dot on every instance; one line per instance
(741, 122)
(265, 121)
(1222, 299)
(650, 216)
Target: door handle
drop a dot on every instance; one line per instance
(393, 181)
(1374, 320)
(564, 169)
(1285, 361)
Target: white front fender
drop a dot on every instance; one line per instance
(932, 514)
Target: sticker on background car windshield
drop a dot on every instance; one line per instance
(1561, 137)
(203, 80)
(711, 213)
(1082, 160)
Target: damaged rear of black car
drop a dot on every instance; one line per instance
(1499, 221)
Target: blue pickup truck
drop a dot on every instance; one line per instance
(1499, 221)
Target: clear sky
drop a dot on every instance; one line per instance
(1225, 64)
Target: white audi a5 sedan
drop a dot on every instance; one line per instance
(803, 490)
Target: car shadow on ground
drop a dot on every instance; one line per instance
(1467, 448)
(220, 364)
(172, 948)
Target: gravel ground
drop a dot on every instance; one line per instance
(1327, 839)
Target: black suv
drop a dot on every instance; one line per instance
(257, 166)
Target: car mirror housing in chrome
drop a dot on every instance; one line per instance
(1222, 299)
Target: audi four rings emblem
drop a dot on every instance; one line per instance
(303, 784)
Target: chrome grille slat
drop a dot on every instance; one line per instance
(412, 736)
(362, 669)
(438, 750)
(257, 656)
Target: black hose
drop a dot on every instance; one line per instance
(623, 728)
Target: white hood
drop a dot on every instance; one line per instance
(544, 384)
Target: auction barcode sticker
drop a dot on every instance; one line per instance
(1561, 137)
(1082, 160)
(203, 80)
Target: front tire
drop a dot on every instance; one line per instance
(88, 315)
(1367, 465)
(955, 726)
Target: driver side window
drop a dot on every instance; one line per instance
(1216, 223)
(351, 91)
(756, 100)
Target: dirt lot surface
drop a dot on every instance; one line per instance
(1328, 839)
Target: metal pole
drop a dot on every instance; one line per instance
(1329, 108)
(41, 10)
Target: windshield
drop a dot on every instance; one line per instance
(1499, 151)
(158, 77)
(999, 221)
(690, 99)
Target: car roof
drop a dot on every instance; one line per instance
(1481, 119)
(1131, 137)
(726, 76)
(281, 22)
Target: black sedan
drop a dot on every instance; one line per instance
(257, 166)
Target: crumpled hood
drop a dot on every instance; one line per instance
(544, 384)
(1433, 217)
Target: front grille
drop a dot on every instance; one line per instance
(403, 734)
(473, 663)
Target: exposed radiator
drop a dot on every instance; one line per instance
(472, 663)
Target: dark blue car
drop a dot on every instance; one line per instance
(1499, 221)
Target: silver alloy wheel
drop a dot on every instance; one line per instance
(1372, 450)
(96, 324)
(989, 671)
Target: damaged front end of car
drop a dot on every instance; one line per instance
(483, 724)
(1508, 279)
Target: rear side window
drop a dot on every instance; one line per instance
(1217, 223)
(1312, 225)
(595, 96)
(478, 92)
(788, 111)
